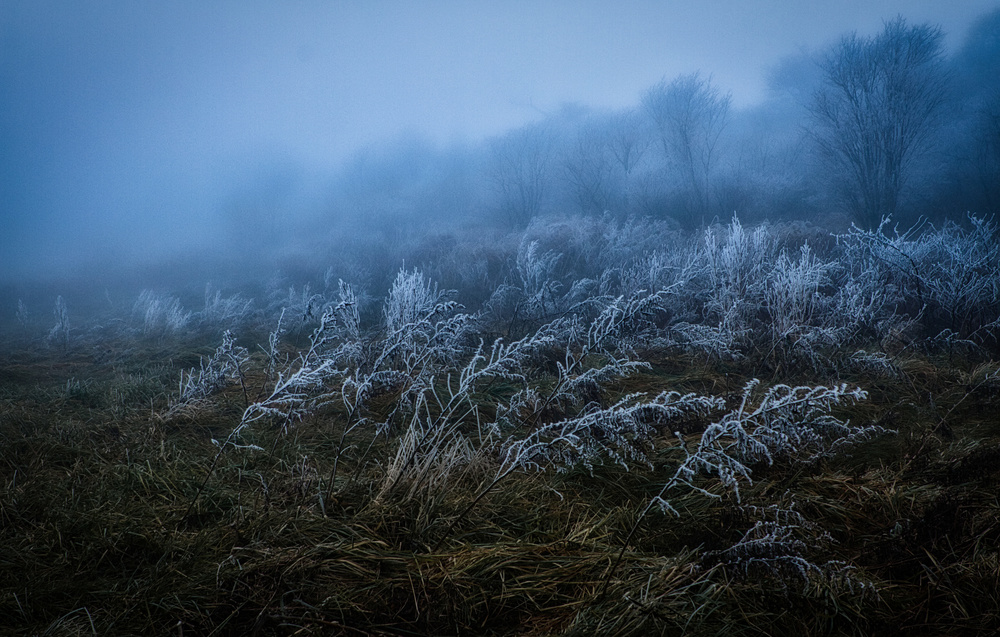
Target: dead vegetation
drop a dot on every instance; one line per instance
(572, 458)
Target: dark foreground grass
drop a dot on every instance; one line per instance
(113, 521)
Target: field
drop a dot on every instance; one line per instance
(584, 428)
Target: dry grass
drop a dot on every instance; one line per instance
(96, 536)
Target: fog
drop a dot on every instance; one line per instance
(138, 136)
(343, 315)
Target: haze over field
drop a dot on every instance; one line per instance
(509, 318)
(135, 131)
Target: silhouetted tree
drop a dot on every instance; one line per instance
(876, 113)
(589, 170)
(518, 172)
(627, 139)
(689, 114)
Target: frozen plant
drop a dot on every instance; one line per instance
(346, 329)
(419, 360)
(59, 334)
(864, 310)
(222, 311)
(537, 283)
(421, 328)
(875, 363)
(717, 341)
(792, 421)
(438, 414)
(348, 311)
(411, 298)
(224, 366)
(302, 308)
(797, 310)
(620, 433)
(429, 452)
(160, 315)
(532, 294)
(593, 356)
(896, 260)
(299, 388)
(660, 270)
(963, 278)
(947, 275)
(778, 547)
(736, 263)
(724, 284)
(22, 316)
(784, 421)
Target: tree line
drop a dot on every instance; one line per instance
(873, 126)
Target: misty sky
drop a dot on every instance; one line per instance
(125, 125)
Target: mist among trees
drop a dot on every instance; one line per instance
(871, 127)
(888, 125)
(675, 368)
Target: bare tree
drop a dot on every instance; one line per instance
(627, 140)
(599, 165)
(876, 113)
(689, 114)
(518, 172)
(589, 172)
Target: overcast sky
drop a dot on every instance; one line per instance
(131, 118)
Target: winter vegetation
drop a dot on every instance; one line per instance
(650, 391)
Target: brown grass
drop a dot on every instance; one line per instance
(94, 539)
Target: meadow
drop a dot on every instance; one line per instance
(590, 426)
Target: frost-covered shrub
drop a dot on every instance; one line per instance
(433, 446)
(793, 295)
(865, 313)
(22, 315)
(534, 294)
(227, 312)
(721, 342)
(786, 421)
(620, 433)
(963, 277)
(727, 283)
(59, 334)
(742, 296)
(780, 422)
(159, 315)
(778, 547)
(736, 262)
(661, 270)
(537, 280)
(410, 299)
(566, 424)
(947, 277)
(299, 388)
(421, 328)
(226, 365)
(798, 305)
